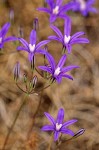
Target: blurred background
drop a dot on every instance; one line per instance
(79, 98)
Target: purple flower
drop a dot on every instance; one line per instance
(67, 40)
(3, 32)
(56, 10)
(84, 6)
(57, 71)
(57, 126)
(32, 47)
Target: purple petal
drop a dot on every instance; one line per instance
(47, 128)
(79, 40)
(76, 35)
(1, 45)
(30, 56)
(11, 38)
(50, 118)
(68, 123)
(4, 29)
(55, 38)
(68, 47)
(59, 2)
(94, 10)
(51, 61)
(59, 79)
(33, 37)
(41, 51)
(66, 69)
(67, 76)
(42, 43)
(62, 61)
(60, 116)
(24, 42)
(22, 48)
(90, 2)
(67, 27)
(47, 69)
(51, 3)
(52, 18)
(44, 9)
(67, 7)
(57, 31)
(56, 135)
(67, 131)
(63, 16)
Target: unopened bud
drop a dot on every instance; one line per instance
(16, 71)
(11, 15)
(20, 31)
(25, 78)
(35, 24)
(34, 81)
(79, 132)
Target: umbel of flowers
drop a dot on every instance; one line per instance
(55, 71)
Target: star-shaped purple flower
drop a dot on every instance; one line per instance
(57, 126)
(57, 71)
(84, 6)
(56, 10)
(67, 40)
(32, 47)
(3, 32)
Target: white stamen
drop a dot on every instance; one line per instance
(57, 71)
(82, 4)
(0, 40)
(32, 47)
(66, 39)
(56, 10)
(58, 126)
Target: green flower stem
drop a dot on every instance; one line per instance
(13, 124)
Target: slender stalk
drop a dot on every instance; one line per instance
(34, 116)
(13, 124)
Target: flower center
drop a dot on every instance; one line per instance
(0, 40)
(32, 47)
(82, 4)
(56, 10)
(58, 126)
(66, 39)
(57, 71)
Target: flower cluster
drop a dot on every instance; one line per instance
(56, 71)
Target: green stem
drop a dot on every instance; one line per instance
(13, 124)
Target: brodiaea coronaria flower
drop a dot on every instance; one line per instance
(57, 126)
(85, 7)
(57, 71)
(66, 39)
(3, 33)
(56, 10)
(32, 47)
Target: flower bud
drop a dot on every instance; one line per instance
(25, 78)
(16, 71)
(20, 31)
(34, 81)
(35, 24)
(11, 16)
(79, 132)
